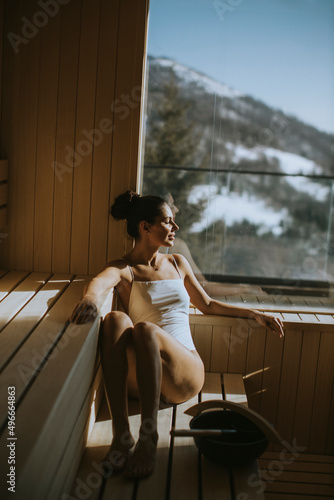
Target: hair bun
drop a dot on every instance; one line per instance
(124, 204)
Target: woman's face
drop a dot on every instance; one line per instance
(163, 230)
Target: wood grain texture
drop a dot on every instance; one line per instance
(65, 135)
(84, 142)
(131, 46)
(9, 134)
(322, 396)
(58, 91)
(24, 197)
(45, 146)
(105, 95)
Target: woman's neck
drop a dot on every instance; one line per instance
(144, 255)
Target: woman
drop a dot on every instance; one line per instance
(147, 351)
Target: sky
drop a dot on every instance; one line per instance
(278, 51)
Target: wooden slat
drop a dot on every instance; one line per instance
(65, 135)
(215, 478)
(288, 384)
(250, 300)
(271, 377)
(10, 281)
(46, 136)
(220, 348)
(11, 84)
(306, 489)
(28, 360)
(323, 393)
(3, 193)
(84, 121)
(306, 477)
(238, 346)
(291, 317)
(68, 463)
(234, 388)
(124, 174)
(304, 457)
(14, 302)
(3, 217)
(117, 486)
(306, 385)
(24, 189)
(25, 321)
(62, 384)
(184, 480)
(155, 486)
(3, 168)
(325, 319)
(202, 341)
(309, 318)
(255, 367)
(105, 95)
(289, 496)
(247, 482)
(97, 446)
(330, 432)
(297, 465)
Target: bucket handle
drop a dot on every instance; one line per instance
(268, 430)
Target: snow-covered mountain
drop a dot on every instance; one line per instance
(244, 122)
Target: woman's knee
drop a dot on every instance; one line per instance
(114, 324)
(116, 318)
(145, 332)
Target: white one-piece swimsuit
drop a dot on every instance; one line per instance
(164, 303)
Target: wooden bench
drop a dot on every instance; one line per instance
(181, 472)
(54, 369)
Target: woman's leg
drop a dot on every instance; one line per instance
(158, 365)
(115, 340)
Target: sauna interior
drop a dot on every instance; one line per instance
(73, 80)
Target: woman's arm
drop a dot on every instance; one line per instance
(200, 299)
(86, 310)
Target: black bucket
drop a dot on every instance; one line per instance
(240, 447)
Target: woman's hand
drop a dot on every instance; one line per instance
(270, 322)
(84, 311)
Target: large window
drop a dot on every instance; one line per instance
(239, 129)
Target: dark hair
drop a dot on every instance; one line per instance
(135, 208)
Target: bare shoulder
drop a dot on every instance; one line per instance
(182, 263)
(117, 268)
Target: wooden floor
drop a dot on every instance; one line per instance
(181, 472)
(302, 477)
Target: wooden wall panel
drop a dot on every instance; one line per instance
(1, 58)
(271, 377)
(105, 94)
(65, 136)
(306, 387)
(128, 90)
(255, 367)
(322, 395)
(46, 136)
(83, 146)
(288, 381)
(22, 248)
(10, 121)
(82, 67)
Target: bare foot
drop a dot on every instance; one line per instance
(119, 451)
(141, 463)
